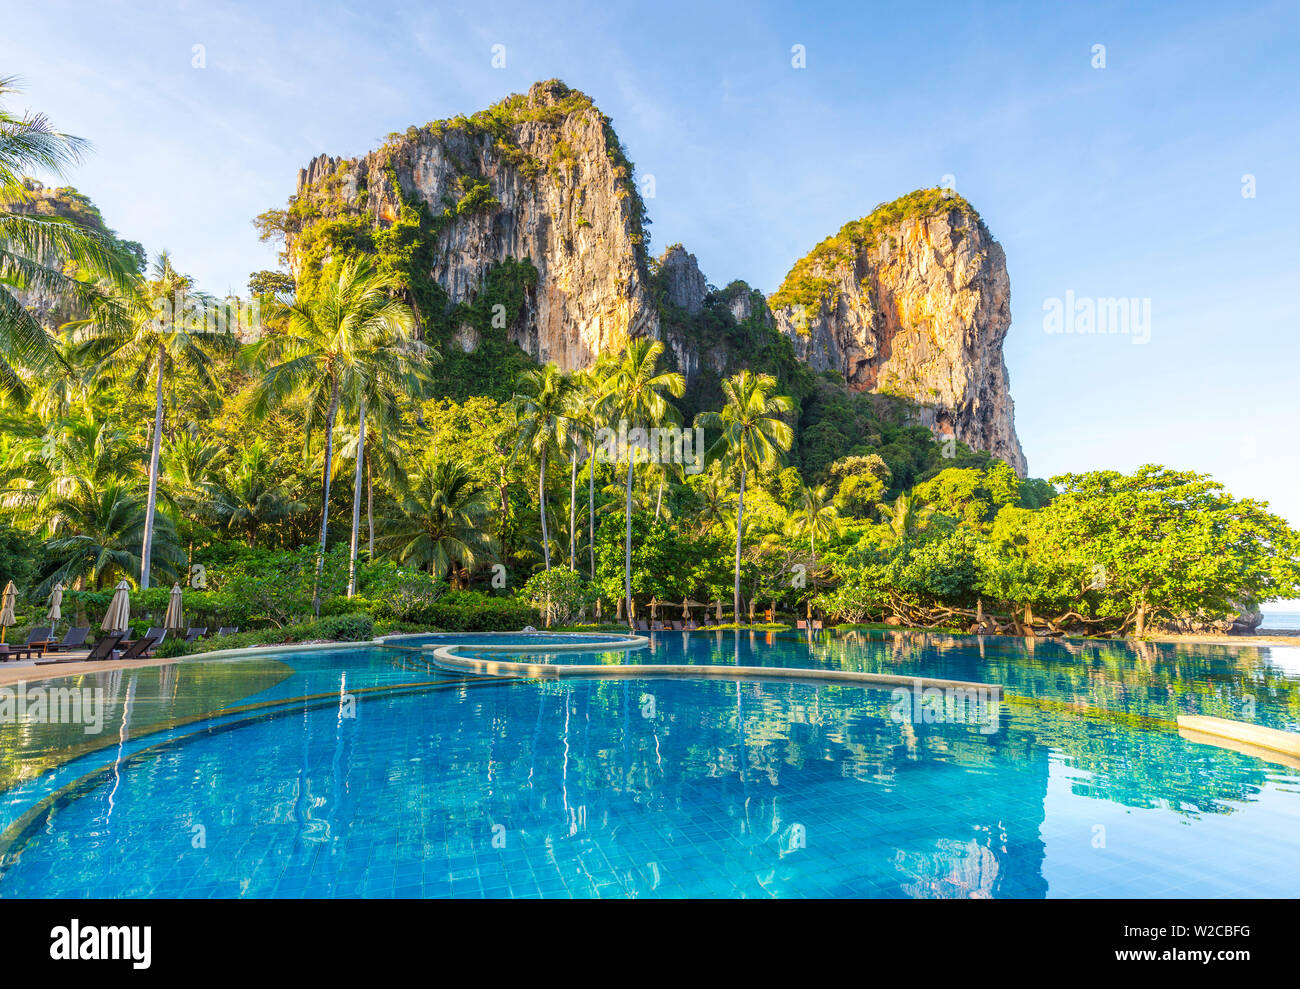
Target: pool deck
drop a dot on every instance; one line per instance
(28, 671)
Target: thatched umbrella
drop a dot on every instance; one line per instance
(175, 620)
(654, 607)
(718, 612)
(118, 616)
(7, 609)
(55, 614)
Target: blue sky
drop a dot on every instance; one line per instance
(1117, 182)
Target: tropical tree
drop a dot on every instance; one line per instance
(328, 349)
(751, 436)
(587, 414)
(34, 249)
(98, 535)
(907, 516)
(169, 327)
(541, 403)
(815, 516)
(440, 526)
(249, 493)
(634, 389)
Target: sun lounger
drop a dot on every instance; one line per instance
(658, 626)
(103, 648)
(138, 649)
(642, 626)
(194, 634)
(678, 627)
(16, 652)
(73, 638)
(227, 631)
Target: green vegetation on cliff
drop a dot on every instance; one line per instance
(811, 282)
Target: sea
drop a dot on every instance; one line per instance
(1287, 620)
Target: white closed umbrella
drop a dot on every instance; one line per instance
(175, 620)
(55, 614)
(118, 616)
(7, 609)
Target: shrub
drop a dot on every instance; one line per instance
(346, 628)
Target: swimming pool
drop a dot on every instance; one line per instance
(370, 772)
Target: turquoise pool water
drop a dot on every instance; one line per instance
(369, 772)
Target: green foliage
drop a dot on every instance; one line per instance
(558, 594)
(354, 627)
(812, 280)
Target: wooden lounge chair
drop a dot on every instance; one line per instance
(800, 625)
(678, 627)
(658, 626)
(104, 647)
(232, 630)
(38, 639)
(138, 649)
(74, 638)
(642, 626)
(194, 633)
(8, 651)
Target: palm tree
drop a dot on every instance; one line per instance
(815, 516)
(905, 518)
(394, 367)
(326, 351)
(587, 414)
(541, 402)
(52, 464)
(169, 328)
(635, 389)
(34, 248)
(249, 494)
(99, 534)
(441, 525)
(751, 436)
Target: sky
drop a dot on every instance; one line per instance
(1158, 169)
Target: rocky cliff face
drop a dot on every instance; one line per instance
(913, 301)
(539, 176)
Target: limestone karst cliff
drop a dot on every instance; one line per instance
(540, 176)
(911, 301)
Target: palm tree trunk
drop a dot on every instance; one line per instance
(356, 500)
(573, 511)
(659, 499)
(740, 528)
(325, 497)
(370, 502)
(591, 509)
(146, 550)
(627, 542)
(541, 500)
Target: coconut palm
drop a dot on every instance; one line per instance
(396, 367)
(98, 537)
(170, 327)
(541, 403)
(634, 389)
(907, 516)
(587, 414)
(34, 249)
(51, 464)
(441, 522)
(332, 347)
(815, 516)
(751, 436)
(249, 494)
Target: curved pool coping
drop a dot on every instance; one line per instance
(446, 659)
